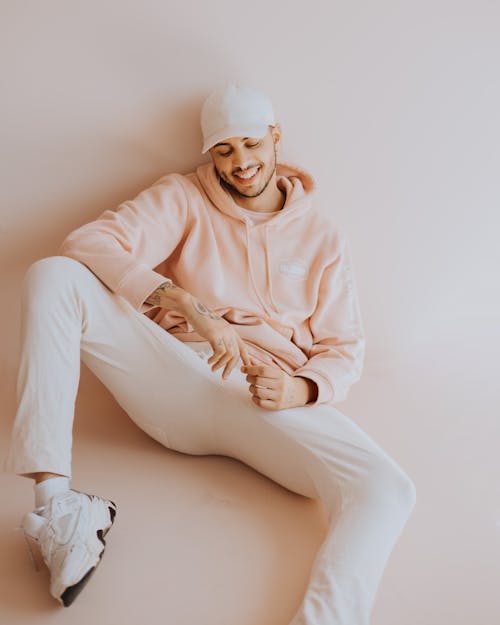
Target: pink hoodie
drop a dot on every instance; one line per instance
(286, 284)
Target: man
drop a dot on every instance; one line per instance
(228, 270)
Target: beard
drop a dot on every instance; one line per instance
(232, 189)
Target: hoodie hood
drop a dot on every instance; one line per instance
(298, 185)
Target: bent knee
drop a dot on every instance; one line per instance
(405, 488)
(54, 269)
(55, 264)
(385, 480)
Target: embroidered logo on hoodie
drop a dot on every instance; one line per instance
(293, 268)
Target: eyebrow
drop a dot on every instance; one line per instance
(225, 143)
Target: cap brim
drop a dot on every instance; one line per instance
(256, 130)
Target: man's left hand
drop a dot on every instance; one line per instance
(274, 389)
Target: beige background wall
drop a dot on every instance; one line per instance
(393, 106)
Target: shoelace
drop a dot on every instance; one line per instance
(30, 550)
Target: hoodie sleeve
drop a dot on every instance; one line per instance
(123, 246)
(336, 357)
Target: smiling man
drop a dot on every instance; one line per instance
(231, 269)
(246, 167)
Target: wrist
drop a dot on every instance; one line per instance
(178, 299)
(169, 295)
(310, 388)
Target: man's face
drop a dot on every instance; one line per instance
(246, 165)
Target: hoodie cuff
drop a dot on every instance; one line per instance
(325, 390)
(138, 284)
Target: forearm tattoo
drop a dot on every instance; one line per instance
(203, 310)
(155, 297)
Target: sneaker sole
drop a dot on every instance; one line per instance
(72, 592)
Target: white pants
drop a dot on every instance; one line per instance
(68, 314)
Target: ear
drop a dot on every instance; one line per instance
(276, 133)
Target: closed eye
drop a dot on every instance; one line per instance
(248, 145)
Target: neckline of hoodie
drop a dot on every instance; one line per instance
(297, 183)
(258, 215)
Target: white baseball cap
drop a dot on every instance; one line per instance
(235, 111)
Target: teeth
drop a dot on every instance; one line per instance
(248, 174)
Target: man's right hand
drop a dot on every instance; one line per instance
(227, 344)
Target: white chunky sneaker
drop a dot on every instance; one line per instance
(70, 532)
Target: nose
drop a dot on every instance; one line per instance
(242, 159)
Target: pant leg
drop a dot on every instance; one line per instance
(317, 452)
(174, 396)
(68, 315)
(322, 453)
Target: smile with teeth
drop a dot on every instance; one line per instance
(248, 174)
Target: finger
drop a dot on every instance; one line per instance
(263, 393)
(219, 349)
(224, 358)
(230, 365)
(264, 371)
(259, 380)
(230, 357)
(245, 356)
(264, 403)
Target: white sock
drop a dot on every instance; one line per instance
(50, 487)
